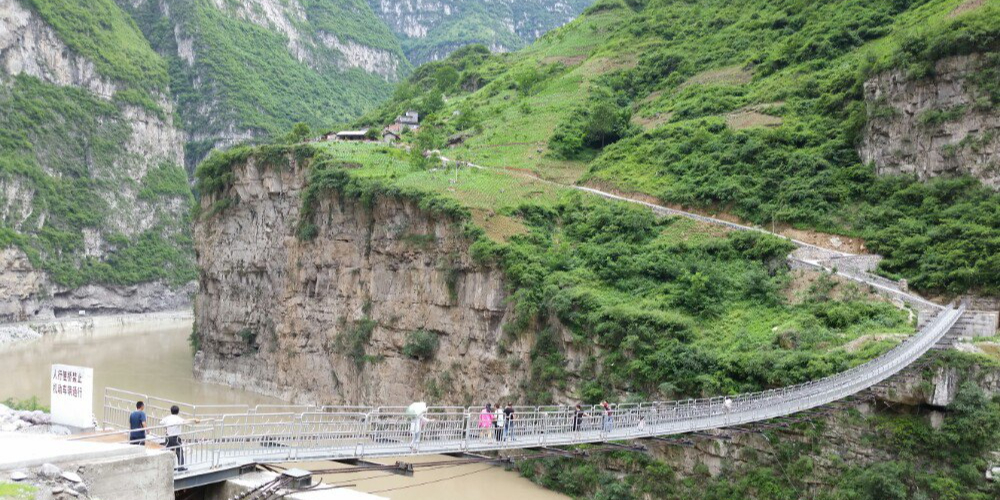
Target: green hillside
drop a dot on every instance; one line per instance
(67, 170)
(660, 307)
(750, 109)
(242, 80)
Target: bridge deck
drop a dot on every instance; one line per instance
(275, 434)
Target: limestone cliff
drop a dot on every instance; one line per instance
(945, 124)
(327, 320)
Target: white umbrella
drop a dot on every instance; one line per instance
(416, 409)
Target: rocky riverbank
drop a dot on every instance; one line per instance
(14, 333)
(28, 421)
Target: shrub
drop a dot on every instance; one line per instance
(421, 345)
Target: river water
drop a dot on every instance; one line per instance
(156, 359)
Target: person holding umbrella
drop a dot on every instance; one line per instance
(418, 413)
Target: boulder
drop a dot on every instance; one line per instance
(80, 488)
(18, 476)
(49, 471)
(72, 477)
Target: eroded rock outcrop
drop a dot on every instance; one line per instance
(327, 320)
(941, 125)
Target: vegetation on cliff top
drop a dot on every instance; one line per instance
(101, 32)
(753, 109)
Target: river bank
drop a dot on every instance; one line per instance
(12, 333)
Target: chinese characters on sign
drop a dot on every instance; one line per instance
(72, 395)
(74, 378)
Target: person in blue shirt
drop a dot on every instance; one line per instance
(137, 425)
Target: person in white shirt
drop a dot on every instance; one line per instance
(174, 425)
(416, 428)
(498, 422)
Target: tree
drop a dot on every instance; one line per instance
(446, 77)
(300, 132)
(432, 102)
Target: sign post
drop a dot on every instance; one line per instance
(72, 396)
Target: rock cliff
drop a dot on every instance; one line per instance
(945, 124)
(328, 320)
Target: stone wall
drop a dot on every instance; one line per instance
(940, 125)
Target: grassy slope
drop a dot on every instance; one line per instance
(684, 70)
(68, 147)
(659, 307)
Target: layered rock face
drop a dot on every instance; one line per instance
(941, 125)
(327, 320)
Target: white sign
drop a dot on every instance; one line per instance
(72, 396)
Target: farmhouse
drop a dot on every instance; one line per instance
(353, 135)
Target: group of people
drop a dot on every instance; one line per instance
(172, 426)
(497, 421)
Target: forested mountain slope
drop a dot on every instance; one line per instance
(246, 71)
(93, 194)
(762, 110)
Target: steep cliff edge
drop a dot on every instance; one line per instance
(339, 272)
(329, 319)
(944, 124)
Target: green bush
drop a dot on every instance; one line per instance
(421, 345)
(353, 340)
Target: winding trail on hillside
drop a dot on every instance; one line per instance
(854, 267)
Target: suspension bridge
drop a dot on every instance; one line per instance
(219, 439)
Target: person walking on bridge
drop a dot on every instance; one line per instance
(137, 425)
(498, 421)
(578, 417)
(485, 422)
(417, 428)
(508, 423)
(174, 424)
(609, 421)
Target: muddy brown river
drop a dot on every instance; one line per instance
(156, 359)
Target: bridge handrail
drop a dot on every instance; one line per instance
(374, 432)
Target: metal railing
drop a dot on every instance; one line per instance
(267, 434)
